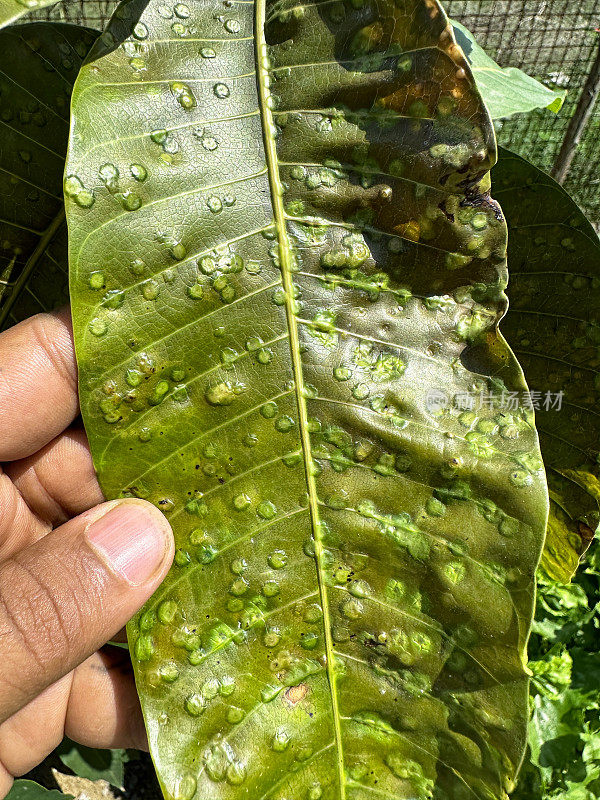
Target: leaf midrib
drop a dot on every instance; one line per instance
(286, 264)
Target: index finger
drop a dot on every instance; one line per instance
(38, 383)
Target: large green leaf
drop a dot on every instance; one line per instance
(506, 91)
(554, 327)
(38, 66)
(286, 272)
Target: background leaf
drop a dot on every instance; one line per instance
(553, 325)
(506, 91)
(92, 763)
(30, 790)
(278, 300)
(38, 64)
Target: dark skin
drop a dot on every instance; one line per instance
(65, 587)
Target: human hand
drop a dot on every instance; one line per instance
(73, 569)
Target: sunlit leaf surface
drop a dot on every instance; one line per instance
(12, 10)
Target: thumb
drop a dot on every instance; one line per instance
(70, 592)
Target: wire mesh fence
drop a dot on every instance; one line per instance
(555, 41)
(93, 13)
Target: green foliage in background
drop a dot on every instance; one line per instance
(563, 762)
(94, 764)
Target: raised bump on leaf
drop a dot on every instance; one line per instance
(359, 563)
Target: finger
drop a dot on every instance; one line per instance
(95, 705)
(114, 717)
(59, 481)
(35, 730)
(18, 523)
(71, 591)
(46, 489)
(38, 383)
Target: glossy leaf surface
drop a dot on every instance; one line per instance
(554, 327)
(12, 10)
(505, 90)
(286, 271)
(38, 66)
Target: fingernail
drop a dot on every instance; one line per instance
(132, 539)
